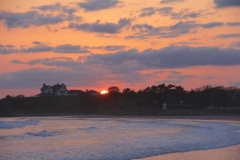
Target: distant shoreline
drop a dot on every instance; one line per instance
(195, 117)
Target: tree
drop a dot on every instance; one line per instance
(128, 91)
(161, 88)
(153, 89)
(113, 89)
(20, 96)
(8, 96)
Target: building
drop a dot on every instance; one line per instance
(164, 106)
(92, 93)
(75, 92)
(56, 90)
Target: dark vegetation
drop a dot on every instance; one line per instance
(205, 100)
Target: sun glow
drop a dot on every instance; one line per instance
(104, 92)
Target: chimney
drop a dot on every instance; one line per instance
(44, 84)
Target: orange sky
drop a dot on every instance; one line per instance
(93, 44)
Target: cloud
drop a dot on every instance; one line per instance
(8, 49)
(114, 47)
(33, 78)
(212, 24)
(177, 78)
(184, 15)
(168, 11)
(168, 57)
(40, 47)
(170, 1)
(171, 57)
(165, 11)
(145, 12)
(39, 16)
(56, 61)
(235, 44)
(233, 24)
(108, 47)
(188, 43)
(95, 5)
(121, 66)
(225, 36)
(30, 18)
(235, 83)
(68, 48)
(56, 7)
(143, 31)
(226, 3)
(98, 27)
(53, 7)
(69, 71)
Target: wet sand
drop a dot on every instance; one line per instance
(227, 153)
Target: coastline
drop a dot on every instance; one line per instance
(77, 115)
(230, 153)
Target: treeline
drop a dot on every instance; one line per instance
(148, 101)
(201, 97)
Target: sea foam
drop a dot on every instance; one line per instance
(40, 134)
(17, 124)
(116, 138)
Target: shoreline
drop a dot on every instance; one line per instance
(229, 152)
(195, 117)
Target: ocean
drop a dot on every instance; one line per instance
(74, 138)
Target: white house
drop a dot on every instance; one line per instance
(57, 90)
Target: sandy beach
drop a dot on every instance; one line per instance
(227, 153)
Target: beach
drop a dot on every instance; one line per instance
(119, 137)
(226, 153)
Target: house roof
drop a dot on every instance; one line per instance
(92, 92)
(75, 91)
(45, 87)
(55, 87)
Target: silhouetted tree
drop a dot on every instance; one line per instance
(20, 96)
(8, 96)
(113, 89)
(161, 88)
(128, 91)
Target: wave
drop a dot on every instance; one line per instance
(119, 138)
(90, 129)
(17, 124)
(40, 134)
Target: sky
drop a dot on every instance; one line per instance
(94, 44)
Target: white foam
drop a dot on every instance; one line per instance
(40, 134)
(117, 138)
(17, 124)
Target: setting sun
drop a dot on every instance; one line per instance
(104, 92)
